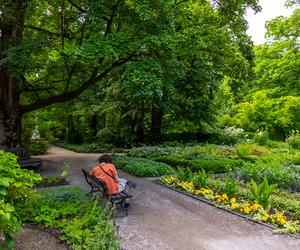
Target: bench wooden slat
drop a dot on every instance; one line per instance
(24, 158)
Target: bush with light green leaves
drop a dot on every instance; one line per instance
(15, 188)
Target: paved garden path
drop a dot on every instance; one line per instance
(163, 219)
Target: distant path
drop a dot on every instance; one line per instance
(163, 219)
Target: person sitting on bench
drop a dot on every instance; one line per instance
(107, 172)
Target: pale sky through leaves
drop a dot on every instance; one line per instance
(270, 10)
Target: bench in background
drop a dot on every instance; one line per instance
(24, 158)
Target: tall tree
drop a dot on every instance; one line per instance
(52, 51)
(278, 61)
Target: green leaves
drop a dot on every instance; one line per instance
(276, 115)
(77, 215)
(142, 167)
(200, 179)
(278, 62)
(261, 192)
(15, 186)
(230, 187)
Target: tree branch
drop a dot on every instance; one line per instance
(43, 30)
(94, 78)
(76, 6)
(70, 74)
(109, 21)
(32, 89)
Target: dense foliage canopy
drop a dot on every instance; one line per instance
(142, 71)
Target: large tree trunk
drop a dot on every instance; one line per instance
(10, 115)
(156, 123)
(137, 126)
(11, 27)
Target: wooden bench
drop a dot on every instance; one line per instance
(118, 199)
(24, 158)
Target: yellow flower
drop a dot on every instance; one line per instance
(217, 197)
(280, 219)
(234, 205)
(169, 180)
(187, 186)
(233, 200)
(207, 191)
(265, 218)
(247, 210)
(224, 197)
(198, 192)
(255, 207)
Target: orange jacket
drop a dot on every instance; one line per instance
(112, 184)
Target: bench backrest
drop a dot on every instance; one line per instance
(22, 153)
(98, 183)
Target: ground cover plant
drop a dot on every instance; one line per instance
(83, 223)
(56, 180)
(90, 147)
(51, 181)
(242, 162)
(142, 167)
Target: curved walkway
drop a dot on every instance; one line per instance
(163, 219)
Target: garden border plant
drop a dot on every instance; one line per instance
(15, 189)
(76, 215)
(259, 212)
(223, 208)
(215, 205)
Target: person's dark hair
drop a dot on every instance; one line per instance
(105, 158)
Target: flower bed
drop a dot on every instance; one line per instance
(238, 204)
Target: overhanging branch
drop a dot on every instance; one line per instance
(44, 31)
(94, 78)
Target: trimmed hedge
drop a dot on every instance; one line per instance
(221, 165)
(142, 167)
(90, 148)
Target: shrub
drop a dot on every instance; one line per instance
(294, 139)
(277, 145)
(150, 152)
(83, 223)
(219, 165)
(251, 151)
(202, 152)
(233, 135)
(15, 188)
(261, 137)
(38, 148)
(276, 173)
(90, 148)
(142, 167)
